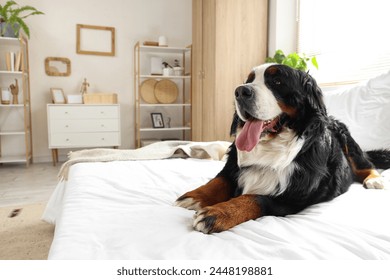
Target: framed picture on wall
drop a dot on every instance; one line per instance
(57, 95)
(157, 120)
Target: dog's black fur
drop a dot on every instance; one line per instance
(325, 166)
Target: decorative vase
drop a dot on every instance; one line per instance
(8, 30)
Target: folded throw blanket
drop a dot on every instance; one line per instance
(159, 150)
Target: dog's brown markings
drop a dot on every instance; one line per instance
(215, 191)
(226, 215)
(363, 174)
(272, 70)
(290, 111)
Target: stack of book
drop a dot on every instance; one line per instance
(13, 61)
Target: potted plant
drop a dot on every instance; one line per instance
(293, 60)
(12, 19)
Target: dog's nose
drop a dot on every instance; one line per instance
(243, 92)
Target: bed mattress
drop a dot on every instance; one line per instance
(125, 210)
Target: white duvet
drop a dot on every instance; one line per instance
(124, 210)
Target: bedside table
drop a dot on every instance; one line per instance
(82, 126)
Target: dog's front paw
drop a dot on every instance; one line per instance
(377, 183)
(210, 220)
(188, 203)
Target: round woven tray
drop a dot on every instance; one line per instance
(166, 91)
(147, 91)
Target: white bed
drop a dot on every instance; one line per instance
(124, 210)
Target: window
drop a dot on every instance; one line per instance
(349, 37)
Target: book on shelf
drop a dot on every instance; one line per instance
(13, 61)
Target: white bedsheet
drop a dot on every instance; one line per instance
(123, 210)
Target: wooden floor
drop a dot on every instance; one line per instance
(21, 185)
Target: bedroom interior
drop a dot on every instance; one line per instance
(103, 86)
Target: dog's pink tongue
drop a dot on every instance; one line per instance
(249, 135)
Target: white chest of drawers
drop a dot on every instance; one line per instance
(82, 126)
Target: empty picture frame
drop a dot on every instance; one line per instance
(95, 40)
(57, 95)
(57, 66)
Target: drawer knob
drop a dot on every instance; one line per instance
(67, 139)
(102, 125)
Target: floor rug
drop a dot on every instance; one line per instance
(23, 236)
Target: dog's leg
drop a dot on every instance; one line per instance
(225, 215)
(215, 191)
(362, 168)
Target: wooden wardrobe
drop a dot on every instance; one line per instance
(229, 39)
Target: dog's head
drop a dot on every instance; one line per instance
(274, 96)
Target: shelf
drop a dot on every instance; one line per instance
(9, 41)
(12, 133)
(12, 105)
(165, 105)
(18, 73)
(164, 77)
(163, 49)
(166, 129)
(15, 159)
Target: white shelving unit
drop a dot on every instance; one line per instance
(15, 119)
(179, 112)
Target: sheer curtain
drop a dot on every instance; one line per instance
(351, 38)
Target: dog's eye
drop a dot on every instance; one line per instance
(277, 81)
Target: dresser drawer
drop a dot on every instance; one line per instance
(83, 112)
(93, 139)
(94, 125)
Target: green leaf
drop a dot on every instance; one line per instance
(279, 56)
(314, 62)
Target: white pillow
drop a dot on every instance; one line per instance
(365, 109)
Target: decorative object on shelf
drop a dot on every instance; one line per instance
(100, 98)
(157, 120)
(13, 61)
(74, 99)
(151, 43)
(155, 66)
(168, 69)
(166, 91)
(95, 40)
(162, 41)
(54, 66)
(15, 91)
(177, 69)
(5, 96)
(169, 122)
(84, 87)
(294, 60)
(12, 19)
(57, 95)
(147, 91)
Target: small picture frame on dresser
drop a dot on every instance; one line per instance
(57, 95)
(157, 120)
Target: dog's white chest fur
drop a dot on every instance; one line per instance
(266, 169)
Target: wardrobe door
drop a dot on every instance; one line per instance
(229, 39)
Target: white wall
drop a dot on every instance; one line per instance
(54, 34)
(282, 28)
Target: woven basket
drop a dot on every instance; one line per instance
(166, 91)
(147, 91)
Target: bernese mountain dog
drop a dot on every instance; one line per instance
(288, 154)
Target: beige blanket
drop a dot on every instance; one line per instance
(160, 150)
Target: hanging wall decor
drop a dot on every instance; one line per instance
(95, 40)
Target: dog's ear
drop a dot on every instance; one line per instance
(234, 125)
(313, 92)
